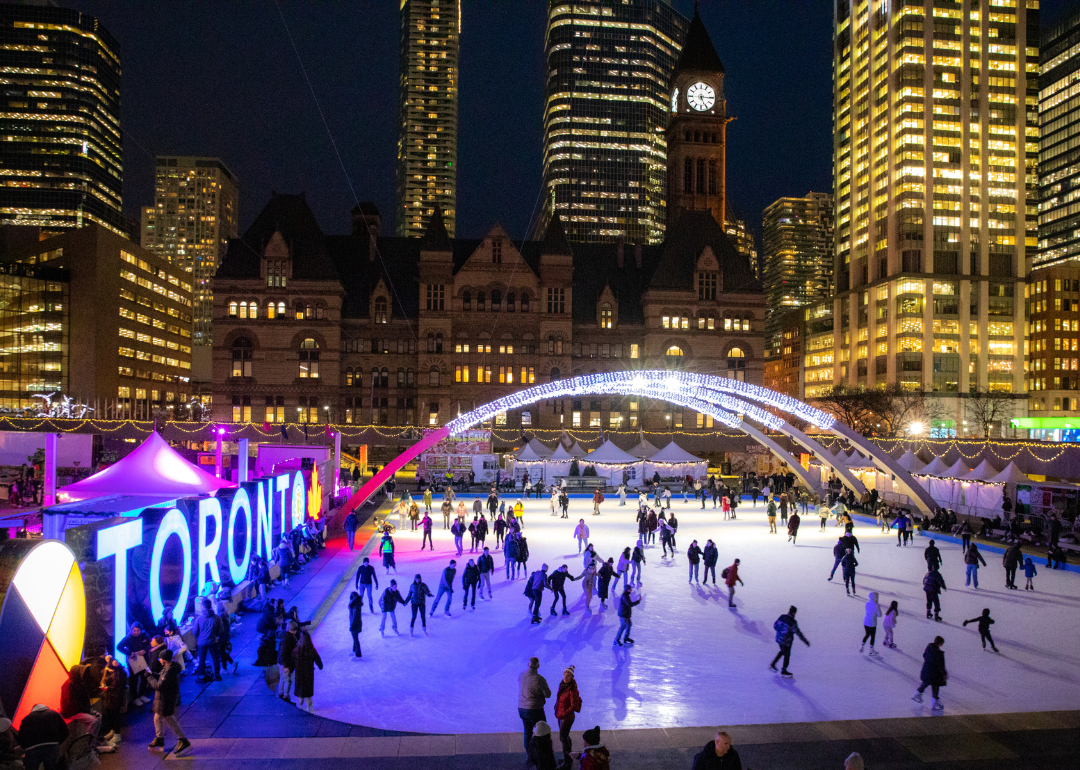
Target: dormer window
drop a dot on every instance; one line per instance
(605, 315)
(707, 286)
(277, 271)
(496, 250)
(380, 310)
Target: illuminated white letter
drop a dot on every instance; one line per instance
(209, 508)
(174, 523)
(117, 541)
(240, 502)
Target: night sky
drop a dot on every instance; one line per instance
(221, 79)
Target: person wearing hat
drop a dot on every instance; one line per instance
(594, 755)
(718, 754)
(533, 692)
(567, 705)
(10, 750)
(541, 753)
(41, 733)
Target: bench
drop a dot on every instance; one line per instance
(585, 483)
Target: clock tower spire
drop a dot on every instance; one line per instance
(697, 129)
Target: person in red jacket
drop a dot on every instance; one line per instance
(731, 577)
(567, 705)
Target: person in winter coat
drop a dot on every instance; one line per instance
(457, 529)
(447, 509)
(693, 556)
(40, 734)
(1029, 573)
(606, 573)
(597, 498)
(771, 513)
(557, 584)
(388, 603)
(984, 621)
(166, 687)
(500, 531)
(889, 624)
(522, 554)
(581, 534)
(356, 621)
(567, 706)
(510, 556)
(730, 576)
(718, 754)
(823, 514)
(972, 558)
(113, 701)
(870, 616)
(933, 673)
(533, 692)
(594, 755)
(848, 564)
(626, 609)
(637, 562)
(786, 628)
(588, 584)
(425, 527)
(932, 556)
(427, 501)
(485, 565)
(541, 752)
(793, 527)
(287, 660)
(446, 587)
(307, 657)
(207, 633)
(933, 584)
(386, 548)
(350, 526)
(534, 590)
(417, 598)
(623, 571)
(470, 579)
(1012, 560)
(710, 555)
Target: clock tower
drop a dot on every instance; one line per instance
(697, 129)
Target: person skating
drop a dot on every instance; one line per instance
(386, 548)
(470, 579)
(972, 558)
(588, 584)
(932, 556)
(965, 535)
(486, 565)
(1012, 560)
(1029, 573)
(870, 616)
(673, 524)
(567, 706)
(606, 573)
(510, 556)
(427, 501)
(457, 529)
(447, 509)
(637, 562)
(557, 584)
(846, 541)
(564, 503)
(623, 570)
(793, 527)
(984, 621)
(446, 586)
(693, 556)
(533, 692)
(665, 537)
(786, 628)
(848, 565)
(597, 498)
(771, 512)
(889, 624)
(933, 674)
(356, 621)
(731, 577)
(365, 574)
(500, 531)
(425, 527)
(626, 609)
(823, 514)
(581, 534)
(933, 584)
(417, 599)
(651, 524)
(589, 555)
(710, 556)
(521, 554)
(718, 754)
(388, 603)
(350, 525)
(534, 590)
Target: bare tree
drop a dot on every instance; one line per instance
(897, 408)
(852, 406)
(984, 408)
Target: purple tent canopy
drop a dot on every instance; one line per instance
(153, 469)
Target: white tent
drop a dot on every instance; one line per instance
(558, 464)
(936, 467)
(536, 447)
(528, 459)
(1010, 474)
(577, 451)
(856, 460)
(673, 460)
(611, 463)
(643, 450)
(958, 470)
(910, 462)
(984, 471)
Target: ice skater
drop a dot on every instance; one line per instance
(417, 599)
(1029, 573)
(933, 674)
(933, 584)
(731, 577)
(848, 565)
(626, 609)
(606, 573)
(486, 565)
(637, 562)
(581, 534)
(693, 555)
(534, 591)
(388, 602)
(510, 556)
(623, 572)
(932, 556)
(446, 586)
(588, 584)
(823, 514)
(847, 541)
(447, 508)
(889, 624)
(500, 531)
(597, 498)
(710, 556)
(984, 621)
(386, 548)
(872, 613)
(786, 628)
(457, 529)
(426, 525)
(557, 584)
(793, 527)
(1012, 560)
(470, 579)
(771, 512)
(972, 558)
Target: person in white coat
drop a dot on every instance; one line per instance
(622, 494)
(581, 533)
(873, 612)
(554, 500)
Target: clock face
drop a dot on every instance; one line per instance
(675, 101)
(701, 96)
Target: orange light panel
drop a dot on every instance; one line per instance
(69, 623)
(44, 685)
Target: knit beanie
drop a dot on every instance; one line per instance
(854, 762)
(570, 669)
(541, 729)
(592, 737)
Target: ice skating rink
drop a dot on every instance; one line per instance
(697, 662)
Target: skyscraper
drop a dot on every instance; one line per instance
(195, 213)
(427, 131)
(798, 246)
(609, 69)
(61, 152)
(934, 154)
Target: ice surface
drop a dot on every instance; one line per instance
(696, 662)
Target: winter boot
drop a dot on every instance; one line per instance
(938, 705)
(917, 697)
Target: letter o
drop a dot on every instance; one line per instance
(240, 502)
(299, 499)
(173, 523)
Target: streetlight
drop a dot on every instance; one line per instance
(915, 429)
(327, 410)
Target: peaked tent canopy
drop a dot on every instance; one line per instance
(958, 470)
(643, 450)
(534, 447)
(675, 454)
(609, 454)
(984, 471)
(154, 469)
(559, 454)
(910, 462)
(577, 451)
(1010, 474)
(936, 467)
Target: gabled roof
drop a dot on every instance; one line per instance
(673, 453)
(692, 232)
(555, 242)
(435, 236)
(698, 53)
(609, 454)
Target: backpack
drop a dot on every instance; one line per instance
(725, 572)
(782, 629)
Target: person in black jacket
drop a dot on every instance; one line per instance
(166, 687)
(787, 628)
(626, 609)
(470, 579)
(711, 555)
(933, 584)
(557, 583)
(286, 661)
(486, 565)
(365, 576)
(388, 602)
(984, 621)
(1012, 560)
(933, 673)
(718, 754)
(417, 599)
(693, 555)
(534, 590)
(356, 621)
(932, 556)
(40, 734)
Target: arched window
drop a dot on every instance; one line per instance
(380, 310)
(496, 300)
(309, 311)
(555, 374)
(431, 342)
(438, 343)
(271, 310)
(384, 378)
(736, 353)
(298, 311)
(349, 377)
(410, 378)
(674, 350)
(480, 301)
(736, 364)
(466, 300)
(433, 377)
(253, 310)
(401, 378)
(510, 302)
(241, 357)
(309, 359)
(232, 310)
(281, 309)
(524, 303)
(243, 310)
(605, 316)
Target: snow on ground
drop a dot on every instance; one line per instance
(697, 662)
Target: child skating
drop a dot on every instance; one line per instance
(1029, 573)
(889, 623)
(984, 621)
(848, 565)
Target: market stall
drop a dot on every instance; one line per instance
(613, 464)
(674, 461)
